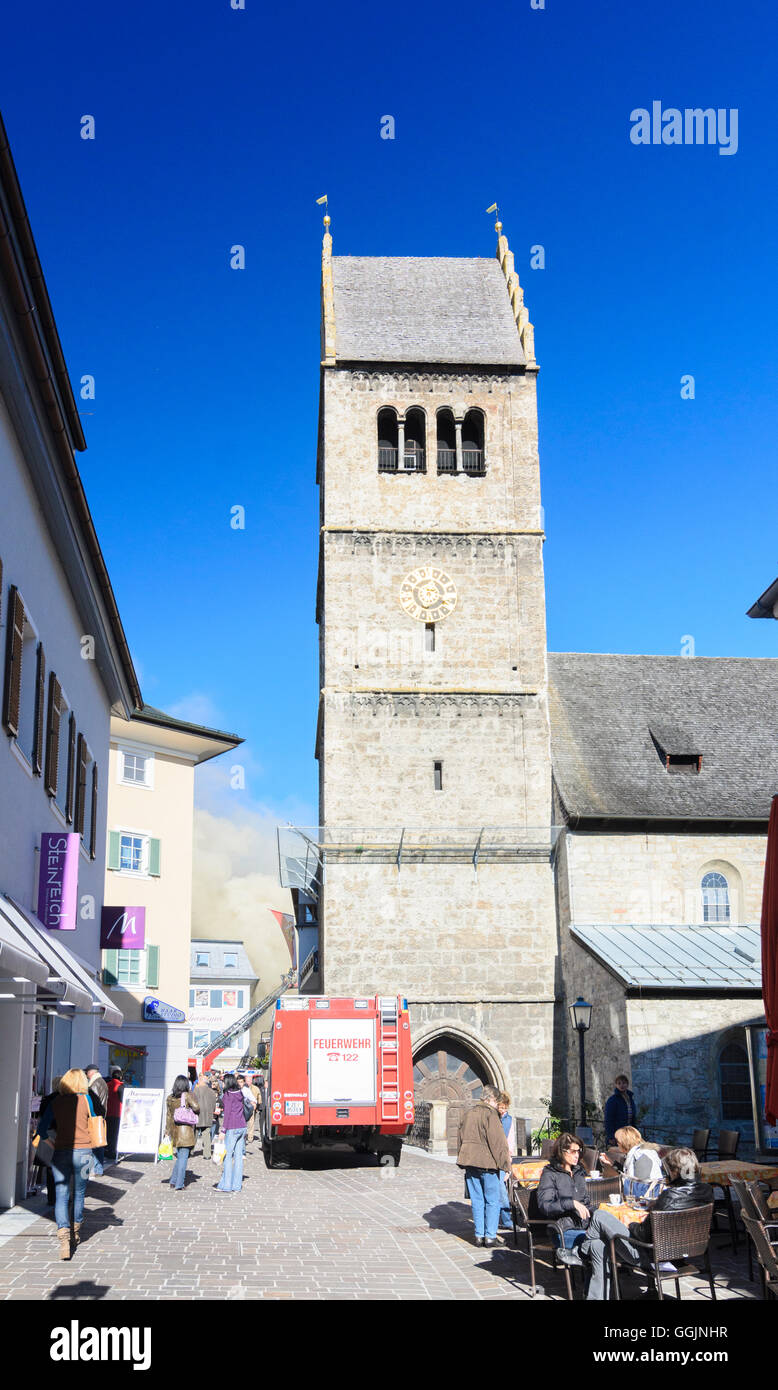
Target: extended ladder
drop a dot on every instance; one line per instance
(389, 1055)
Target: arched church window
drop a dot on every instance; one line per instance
(473, 444)
(414, 450)
(715, 898)
(447, 441)
(387, 440)
(734, 1083)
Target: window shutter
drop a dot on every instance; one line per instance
(40, 709)
(114, 849)
(93, 819)
(12, 692)
(71, 768)
(78, 816)
(152, 967)
(52, 736)
(154, 858)
(110, 967)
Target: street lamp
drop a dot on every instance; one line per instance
(581, 1018)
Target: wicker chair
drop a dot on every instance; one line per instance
(676, 1236)
(590, 1159)
(528, 1219)
(700, 1141)
(599, 1189)
(766, 1254)
(728, 1142)
(748, 1207)
(546, 1146)
(757, 1194)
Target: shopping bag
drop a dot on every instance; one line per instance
(219, 1149)
(165, 1150)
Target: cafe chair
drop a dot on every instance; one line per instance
(766, 1254)
(537, 1231)
(700, 1141)
(546, 1146)
(600, 1189)
(764, 1213)
(590, 1159)
(678, 1237)
(728, 1142)
(748, 1206)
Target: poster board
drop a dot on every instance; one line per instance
(342, 1064)
(765, 1136)
(140, 1127)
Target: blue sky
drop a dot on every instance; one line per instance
(217, 126)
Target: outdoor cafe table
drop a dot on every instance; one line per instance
(624, 1212)
(720, 1173)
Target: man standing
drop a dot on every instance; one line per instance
(98, 1090)
(483, 1153)
(206, 1097)
(619, 1108)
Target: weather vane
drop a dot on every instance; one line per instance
(319, 202)
(498, 223)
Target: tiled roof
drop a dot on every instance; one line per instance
(216, 969)
(424, 309)
(604, 710)
(665, 957)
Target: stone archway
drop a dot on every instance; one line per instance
(446, 1068)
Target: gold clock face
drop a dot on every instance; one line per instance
(428, 594)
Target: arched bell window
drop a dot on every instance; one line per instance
(447, 441)
(473, 462)
(414, 448)
(387, 440)
(715, 898)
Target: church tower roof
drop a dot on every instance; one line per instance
(425, 309)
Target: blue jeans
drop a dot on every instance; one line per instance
(178, 1175)
(70, 1165)
(98, 1159)
(506, 1216)
(231, 1179)
(486, 1192)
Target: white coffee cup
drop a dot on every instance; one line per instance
(595, 1173)
(614, 1199)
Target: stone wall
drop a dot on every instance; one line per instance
(655, 878)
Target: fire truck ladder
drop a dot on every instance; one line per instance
(389, 1052)
(211, 1050)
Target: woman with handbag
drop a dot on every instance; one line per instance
(182, 1112)
(236, 1108)
(77, 1130)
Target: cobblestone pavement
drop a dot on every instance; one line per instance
(339, 1228)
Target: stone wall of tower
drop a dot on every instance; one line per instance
(472, 948)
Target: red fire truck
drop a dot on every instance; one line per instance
(340, 1073)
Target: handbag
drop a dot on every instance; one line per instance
(98, 1134)
(44, 1151)
(183, 1115)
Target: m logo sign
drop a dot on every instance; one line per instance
(123, 928)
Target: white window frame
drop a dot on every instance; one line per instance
(202, 965)
(135, 750)
(146, 837)
(228, 966)
(143, 972)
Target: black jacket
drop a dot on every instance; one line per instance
(558, 1190)
(677, 1196)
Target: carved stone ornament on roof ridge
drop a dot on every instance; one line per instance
(429, 545)
(431, 704)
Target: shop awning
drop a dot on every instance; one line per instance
(67, 980)
(17, 960)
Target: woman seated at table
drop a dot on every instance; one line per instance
(642, 1164)
(562, 1192)
(683, 1191)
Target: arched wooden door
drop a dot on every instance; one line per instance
(446, 1069)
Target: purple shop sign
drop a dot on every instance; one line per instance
(123, 928)
(58, 881)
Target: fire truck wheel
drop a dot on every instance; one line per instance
(267, 1150)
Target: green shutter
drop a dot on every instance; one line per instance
(152, 966)
(110, 967)
(154, 858)
(114, 848)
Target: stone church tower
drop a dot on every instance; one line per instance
(433, 736)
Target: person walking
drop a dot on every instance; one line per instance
(205, 1095)
(98, 1090)
(46, 1168)
(180, 1128)
(68, 1114)
(235, 1109)
(483, 1153)
(114, 1112)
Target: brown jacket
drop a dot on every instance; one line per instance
(183, 1136)
(482, 1142)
